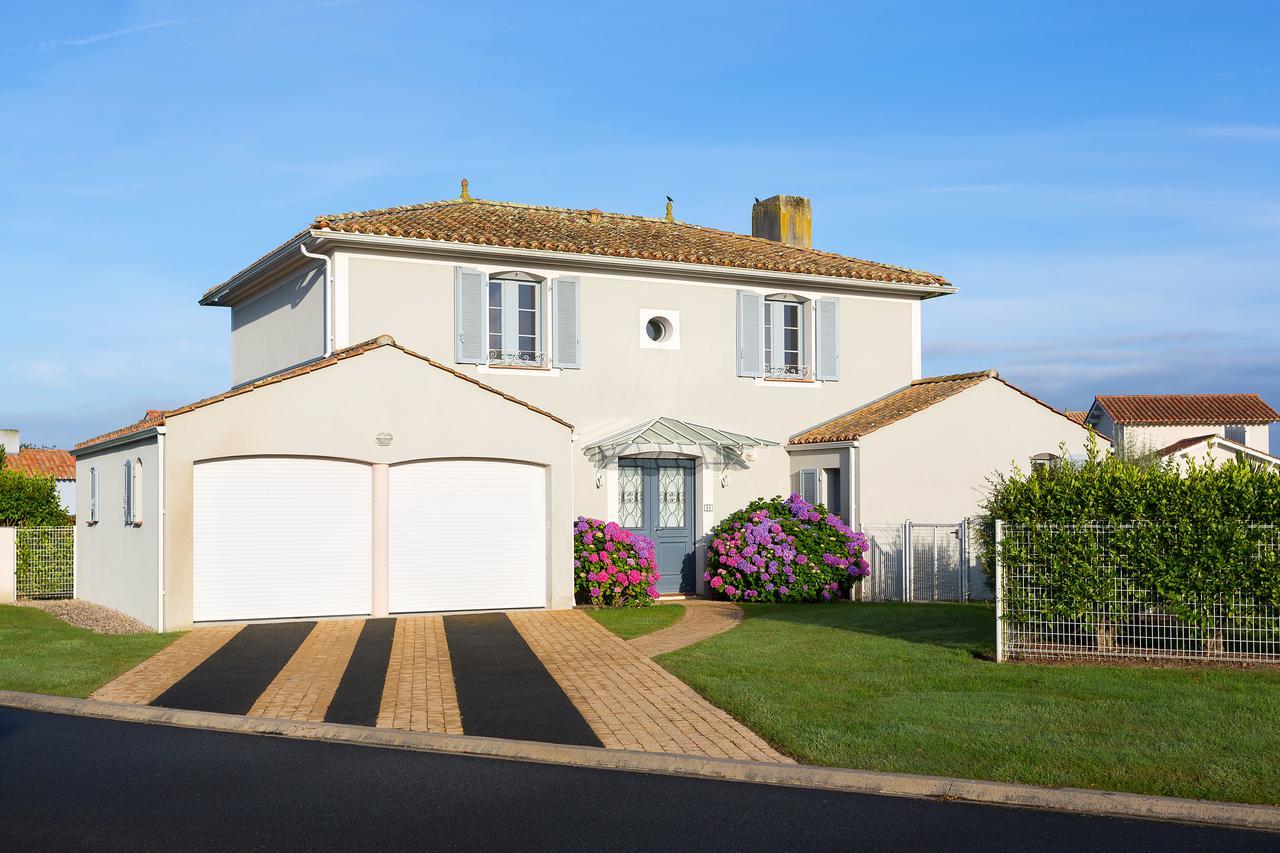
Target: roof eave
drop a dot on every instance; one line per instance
(117, 440)
(268, 263)
(446, 248)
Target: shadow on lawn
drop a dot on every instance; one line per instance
(970, 627)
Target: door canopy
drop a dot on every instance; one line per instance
(675, 436)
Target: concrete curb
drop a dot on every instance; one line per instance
(1077, 800)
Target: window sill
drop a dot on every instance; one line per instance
(519, 369)
(785, 379)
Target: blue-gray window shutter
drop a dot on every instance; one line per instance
(93, 495)
(566, 315)
(809, 485)
(128, 491)
(828, 343)
(750, 333)
(468, 316)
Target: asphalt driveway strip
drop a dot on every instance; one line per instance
(504, 690)
(359, 694)
(231, 679)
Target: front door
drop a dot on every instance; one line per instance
(655, 499)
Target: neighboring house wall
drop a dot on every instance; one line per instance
(934, 465)
(1204, 455)
(825, 461)
(280, 327)
(1140, 439)
(337, 412)
(66, 490)
(119, 565)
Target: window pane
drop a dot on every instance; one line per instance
(528, 296)
(495, 294)
(527, 323)
(768, 334)
(630, 497)
(791, 339)
(528, 344)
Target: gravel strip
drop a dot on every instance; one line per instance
(95, 617)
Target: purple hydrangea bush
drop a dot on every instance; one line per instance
(612, 566)
(784, 550)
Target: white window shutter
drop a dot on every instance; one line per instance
(809, 485)
(128, 491)
(828, 342)
(750, 333)
(566, 315)
(93, 495)
(468, 316)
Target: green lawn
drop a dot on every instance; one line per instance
(42, 654)
(628, 622)
(910, 688)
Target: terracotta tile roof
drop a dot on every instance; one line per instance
(59, 464)
(592, 232)
(1078, 417)
(1188, 409)
(156, 417)
(1184, 444)
(916, 397)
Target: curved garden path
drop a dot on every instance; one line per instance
(702, 619)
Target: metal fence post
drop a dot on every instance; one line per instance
(906, 561)
(999, 596)
(964, 560)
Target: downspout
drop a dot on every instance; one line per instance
(160, 523)
(329, 297)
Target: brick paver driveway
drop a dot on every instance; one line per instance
(626, 700)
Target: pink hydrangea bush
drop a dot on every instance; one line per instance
(612, 566)
(784, 550)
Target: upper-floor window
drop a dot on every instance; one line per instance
(784, 337)
(515, 319)
(1236, 433)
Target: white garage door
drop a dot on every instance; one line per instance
(277, 538)
(467, 535)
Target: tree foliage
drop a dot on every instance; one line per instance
(27, 501)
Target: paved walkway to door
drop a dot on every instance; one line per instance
(702, 618)
(537, 675)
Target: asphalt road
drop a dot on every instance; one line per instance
(78, 783)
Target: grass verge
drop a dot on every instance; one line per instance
(911, 688)
(40, 653)
(629, 622)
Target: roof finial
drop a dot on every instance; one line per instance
(466, 193)
(670, 204)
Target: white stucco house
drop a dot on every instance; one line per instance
(59, 465)
(1208, 428)
(423, 398)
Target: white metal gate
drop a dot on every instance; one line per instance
(923, 561)
(46, 562)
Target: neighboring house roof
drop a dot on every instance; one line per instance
(1078, 417)
(158, 417)
(916, 397)
(593, 232)
(669, 432)
(1187, 409)
(58, 464)
(1187, 445)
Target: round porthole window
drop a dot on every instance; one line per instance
(658, 329)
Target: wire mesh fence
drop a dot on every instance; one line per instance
(46, 562)
(920, 561)
(1086, 591)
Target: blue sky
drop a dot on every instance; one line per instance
(1101, 180)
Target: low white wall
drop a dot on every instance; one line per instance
(8, 565)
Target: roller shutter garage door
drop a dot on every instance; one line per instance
(279, 538)
(467, 535)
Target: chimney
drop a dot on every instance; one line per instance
(9, 440)
(784, 219)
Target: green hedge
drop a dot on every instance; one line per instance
(1185, 544)
(27, 501)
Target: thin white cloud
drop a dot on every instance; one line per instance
(54, 44)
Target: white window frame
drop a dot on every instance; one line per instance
(775, 307)
(133, 492)
(93, 495)
(510, 353)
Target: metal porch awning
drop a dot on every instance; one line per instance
(670, 434)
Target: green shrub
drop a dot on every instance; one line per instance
(1110, 530)
(29, 501)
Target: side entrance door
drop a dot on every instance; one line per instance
(656, 499)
